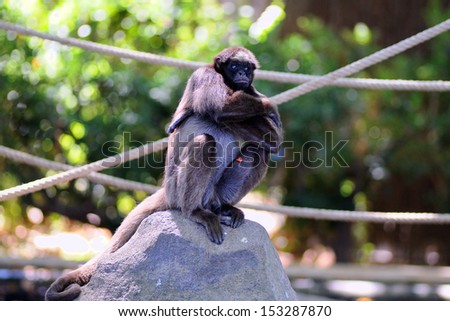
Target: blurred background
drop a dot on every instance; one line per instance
(76, 107)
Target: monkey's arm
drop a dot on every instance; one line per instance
(255, 119)
(205, 93)
(242, 106)
(239, 107)
(178, 119)
(184, 109)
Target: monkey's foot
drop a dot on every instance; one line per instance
(231, 216)
(211, 223)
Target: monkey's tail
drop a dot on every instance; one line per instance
(154, 203)
(65, 288)
(69, 293)
(68, 287)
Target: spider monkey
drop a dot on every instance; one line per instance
(221, 136)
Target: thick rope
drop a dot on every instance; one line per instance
(260, 74)
(103, 179)
(82, 171)
(103, 49)
(360, 83)
(353, 216)
(363, 63)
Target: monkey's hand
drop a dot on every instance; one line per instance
(68, 287)
(275, 118)
(241, 106)
(178, 119)
(256, 103)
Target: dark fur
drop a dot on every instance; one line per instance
(221, 137)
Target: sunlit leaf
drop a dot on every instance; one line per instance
(125, 203)
(362, 33)
(78, 130)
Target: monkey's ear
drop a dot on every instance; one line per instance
(218, 63)
(255, 63)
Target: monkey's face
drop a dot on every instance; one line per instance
(238, 74)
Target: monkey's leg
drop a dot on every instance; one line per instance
(231, 216)
(237, 180)
(68, 287)
(211, 223)
(196, 182)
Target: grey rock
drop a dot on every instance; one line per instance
(171, 258)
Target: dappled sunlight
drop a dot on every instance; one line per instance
(319, 256)
(55, 236)
(444, 291)
(272, 222)
(71, 245)
(356, 288)
(268, 20)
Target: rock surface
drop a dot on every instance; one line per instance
(171, 258)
